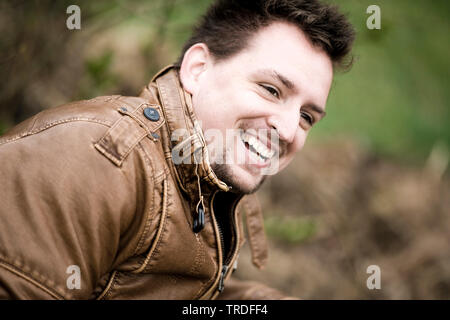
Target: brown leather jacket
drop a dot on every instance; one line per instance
(92, 184)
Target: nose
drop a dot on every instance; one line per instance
(286, 122)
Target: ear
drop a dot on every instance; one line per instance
(194, 64)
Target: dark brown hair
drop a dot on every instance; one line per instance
(229, 24)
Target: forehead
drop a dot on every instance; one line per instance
(285, 49)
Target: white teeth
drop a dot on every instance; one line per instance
(258, 146)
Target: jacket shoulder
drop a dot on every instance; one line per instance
(102, 110)
(125, 120)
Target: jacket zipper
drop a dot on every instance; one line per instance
(222, 278)
(224, 265)
(225, 261)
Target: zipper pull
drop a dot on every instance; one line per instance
(222, 278)
(199, 219)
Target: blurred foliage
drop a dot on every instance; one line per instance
(120, 46)
(2, 127)
(98, 71)
(340, 207)
(396, 97)
(291, 230)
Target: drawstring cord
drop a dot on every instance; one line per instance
(199, 219)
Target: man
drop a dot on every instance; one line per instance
(128, 198)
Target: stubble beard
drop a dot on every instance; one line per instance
(224, 170)
(225, 173)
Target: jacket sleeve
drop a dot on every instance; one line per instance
(67, 213)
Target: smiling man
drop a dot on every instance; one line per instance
(279, 81)
(142, 197)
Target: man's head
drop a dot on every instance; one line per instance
(258, 70)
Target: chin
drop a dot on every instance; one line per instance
(241, 181)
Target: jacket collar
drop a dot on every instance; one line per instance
(186, 142)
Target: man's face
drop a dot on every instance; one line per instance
(275, 88)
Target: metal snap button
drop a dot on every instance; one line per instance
(151, 114)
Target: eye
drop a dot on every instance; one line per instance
(309, 119)
(272, 90)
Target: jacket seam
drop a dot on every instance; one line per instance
(159, 233)
(253, 242)
(107, 291)
(205, 284)
(27, 277)
(117, 160)
(34, 122)
(53, 124)
(150, 212)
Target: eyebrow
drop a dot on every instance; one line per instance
(317, 109)
(291, 86)
(279, 77)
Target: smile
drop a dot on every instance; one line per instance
(257, 147)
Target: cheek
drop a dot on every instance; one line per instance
(221, 110)
(210, 110)
(299, 142)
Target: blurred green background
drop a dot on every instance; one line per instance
(370, 187)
